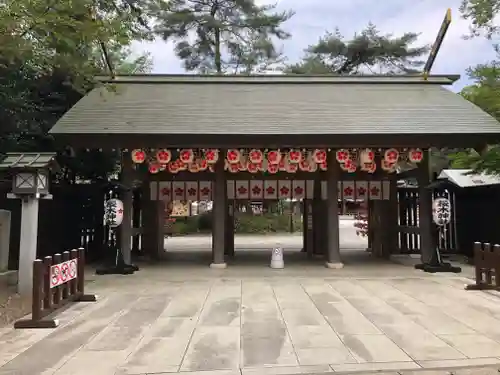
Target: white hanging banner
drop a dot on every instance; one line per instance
(361, 190)
(284, 189)
(375, 190)
(165, 191)
(348, 190)
(270, 189)
(179, 190)
(241, 189)
(192, 191)
(231, 189)
(206, 190)
(256, 189)
(298, 189)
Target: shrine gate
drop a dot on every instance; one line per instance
(318, 138)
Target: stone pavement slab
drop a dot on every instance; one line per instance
(218, 323)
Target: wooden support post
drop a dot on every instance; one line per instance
(427, 243)
(219, 212)
(125, 228)
(332, 177)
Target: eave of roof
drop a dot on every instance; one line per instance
(440, 79)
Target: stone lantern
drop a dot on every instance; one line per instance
(30, 182)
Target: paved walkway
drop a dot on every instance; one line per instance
(249, 319)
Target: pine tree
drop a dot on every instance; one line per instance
(217, 36)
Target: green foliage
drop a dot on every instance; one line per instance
(233, 36)
(482, 14)
(368, 52)
(244, 223)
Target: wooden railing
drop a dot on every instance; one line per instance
(57, 281)
(487, 267)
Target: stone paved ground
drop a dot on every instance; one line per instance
(249, 319)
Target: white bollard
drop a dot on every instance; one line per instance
(277, 261)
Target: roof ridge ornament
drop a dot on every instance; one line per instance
(437, 44)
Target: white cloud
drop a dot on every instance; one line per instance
(314, 17)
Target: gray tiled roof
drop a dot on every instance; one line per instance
(279, 105)
(27, 160)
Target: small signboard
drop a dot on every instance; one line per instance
(63, 272)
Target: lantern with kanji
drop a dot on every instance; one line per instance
(242, 165)
(304, 165)
(294, 156)
(173, 167)
(211, 155)
(252, 167)
(388, 166)
(347, 165)
(233, 156)
(292, 167)
(274, 157)
(273, 168)
(182, 166)
(163, 156)
(202, 164)
(138, 156)
(255, 156)
(415, 155)
(342, 156)
(391, 155)
(319, 156)
(366, 166)
(186, 156)
(366, 156)
(372, 168)
(154, 168)
(193, 168)
(352, 167)
(282, 164)
(323, 166)
(313, 167)
(234, 167)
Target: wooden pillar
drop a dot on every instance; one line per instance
(426, 227)
(229, 250)
(332, 177)
(307, 227)
(136, 220)
(219, 212)
(153, 218)
(318, 219)
(126, 179)
(391, 218)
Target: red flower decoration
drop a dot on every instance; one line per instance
(173, 167)
(294, 156)
(374, 191)
(256, 190)
(304, 165)
(138, 156)
(186, 156)
(191, 192)
(233, 156)
(211, 155)
(323, 166)
(242, 190)
(165, 191)
(270, 190)
(179, 191)
(284, 191)
(348, 191)
(361, 191)
(274, 157)
(255, 156)
(234, 168)
(298, 190)
(202, 164)
(163, 156)
(319, 156)
(205, 191)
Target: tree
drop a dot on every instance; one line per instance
(50, 52)
(368, 52)
(482, 13)
(220, 35)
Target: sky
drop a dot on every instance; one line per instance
(314, 17)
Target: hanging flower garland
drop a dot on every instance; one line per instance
(202, 164)
(323, 166)
(163, 156)
(234, 167)
(252, 167)
(138, 156)
(415, 155)
(173, 167)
